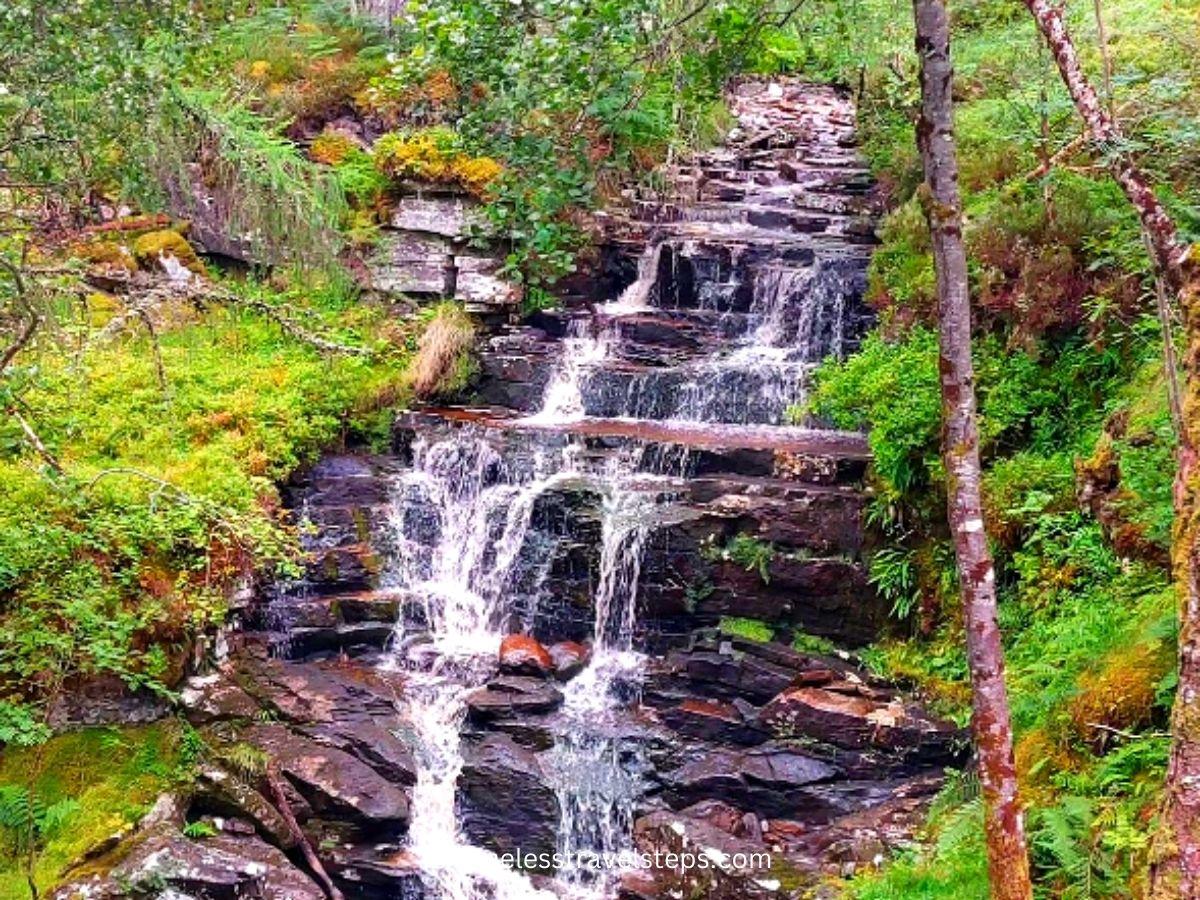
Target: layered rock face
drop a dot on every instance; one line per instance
(521, 639)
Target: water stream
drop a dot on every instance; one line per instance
(465, 529)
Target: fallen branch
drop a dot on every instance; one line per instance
(152, 292)
(1069, 149)
(289, 326)
(275, 782)
(36, 442)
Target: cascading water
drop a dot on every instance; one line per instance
(465, 522)
(462, 515)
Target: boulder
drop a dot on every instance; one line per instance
(162, 862)
(770, 781)
(215, 697)
(714, 720)
(854, 721)
(718, 877)
(521, 654)
(333, 782)
(512, 696)
(219, 793)
(505, 801)
(569, 658)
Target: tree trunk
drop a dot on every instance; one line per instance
(1008, 859)
(1175, 862)
(1104, 134)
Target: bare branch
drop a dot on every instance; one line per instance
(36, 442)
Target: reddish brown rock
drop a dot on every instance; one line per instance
(856, 722)
(522, 655)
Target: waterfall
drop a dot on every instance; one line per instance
(746, 323)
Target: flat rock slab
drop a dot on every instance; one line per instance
(853, 721)
(512, 696)
(162, 860)
(331, 779)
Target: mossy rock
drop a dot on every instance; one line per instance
(111, 255)
(153, 247)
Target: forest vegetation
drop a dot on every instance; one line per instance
(144, 443)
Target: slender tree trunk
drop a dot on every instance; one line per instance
(1175, 863)
(1008, 859)
(1104, 134)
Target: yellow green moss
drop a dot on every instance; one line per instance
(430, 155)
(150, 249)
(138, 764)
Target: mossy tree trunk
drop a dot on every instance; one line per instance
(1008, 858)
(1175, 863)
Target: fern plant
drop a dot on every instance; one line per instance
(894, 575)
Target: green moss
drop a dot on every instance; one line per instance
(152, 248)
(803, 642)
(113, 774)
(750, 629)
(114, 578)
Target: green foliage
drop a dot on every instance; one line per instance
(199, 830)
(750, 629)
(568, 96)
(893, 574)
(747, 551)
(893, 387)
(287, 209)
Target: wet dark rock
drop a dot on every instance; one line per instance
(663, 833)
(505, 800)
(374, 872)
(512, 695)
(770, 781)
(569, 658)
(713, 720)
(332, 781)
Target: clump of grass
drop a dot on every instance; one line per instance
(444, 364)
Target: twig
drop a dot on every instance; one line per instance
(154, 346)
(1129, 735)
(35, 441)
(22, 339)
(1068, 149)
